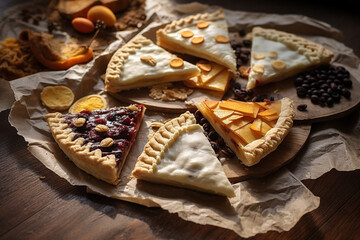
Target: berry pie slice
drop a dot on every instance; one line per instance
(141, 63)
(203, 35)
(251, 129)
(179, 154)
(98, 141)
(276, 55)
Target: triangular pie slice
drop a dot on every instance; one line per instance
(276, 55)
(203, 35)
(141, 63)
(179, 154)
(251, 129)
(98, 141)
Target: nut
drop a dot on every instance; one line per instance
(133, 108)
(157, 124)
(273, 54)
(258, 69)
(187, 34)
(107, 142)
(101, 128)
(148, 60)
(176, 63)
(278, 65)
(258, 56)
(79, 122)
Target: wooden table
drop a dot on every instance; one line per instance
(37, 204)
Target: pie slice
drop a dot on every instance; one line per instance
(251, 129)
(141, 63)
(276, 55)
(179, 154)
(202, 35)
(98, 141)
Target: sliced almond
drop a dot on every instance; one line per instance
(132, 107)
(278, 65)
(148, 60)
(221, 39)
(197, 40)
(258, 69)
(176, 63)
(273, 55)
(187, 34)
(259, 56)
(79, 122)
(101, 128)
(204, 66)
(107, 142)
(202, 24)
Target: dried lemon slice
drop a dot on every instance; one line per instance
(57, 97)
(88, 103)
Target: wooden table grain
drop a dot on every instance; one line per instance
(37, 204)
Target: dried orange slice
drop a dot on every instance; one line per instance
(57, 97)
(88, 103)
(221, 39)
(187, 34)
(202, 25)
(197, 40)
(176, 63)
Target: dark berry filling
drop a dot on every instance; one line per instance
(121, 123)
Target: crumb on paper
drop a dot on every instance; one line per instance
(167, 92)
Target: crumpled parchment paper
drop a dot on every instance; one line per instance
(276, 202)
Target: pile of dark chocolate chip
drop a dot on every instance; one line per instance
(242, 51)
(324, 85)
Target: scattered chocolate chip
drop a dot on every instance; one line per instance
(302, 107)
(242, 32)
(247, 43)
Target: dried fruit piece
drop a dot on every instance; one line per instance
(148, 60)
(88, 103)
(79, 122)
(221, 39)
(204, 66)
(258, 56)
(101, 128)
(102, 13)
(258, 69)
(176, 63)
(57, 97)
(273, 54)
(107, 142)
(278, 65)
(202, 24)
(244, 71)
(197, 40)
(187, 34)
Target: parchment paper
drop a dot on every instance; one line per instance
(276, 202)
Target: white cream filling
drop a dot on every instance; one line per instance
(135, 70)
(192, 161)
(217, 27)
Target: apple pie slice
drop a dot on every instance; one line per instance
(276, 55)
(251, 129)
(203, 35)
(141, 63)
(179, 154)
(98, 141)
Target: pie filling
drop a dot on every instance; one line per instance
(119, 124)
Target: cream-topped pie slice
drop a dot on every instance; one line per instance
(251, 129)
(141, 63)
(202, 35)
(276, 55)
(179, 154)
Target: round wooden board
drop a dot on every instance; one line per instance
(313, 113)
(285, 152)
